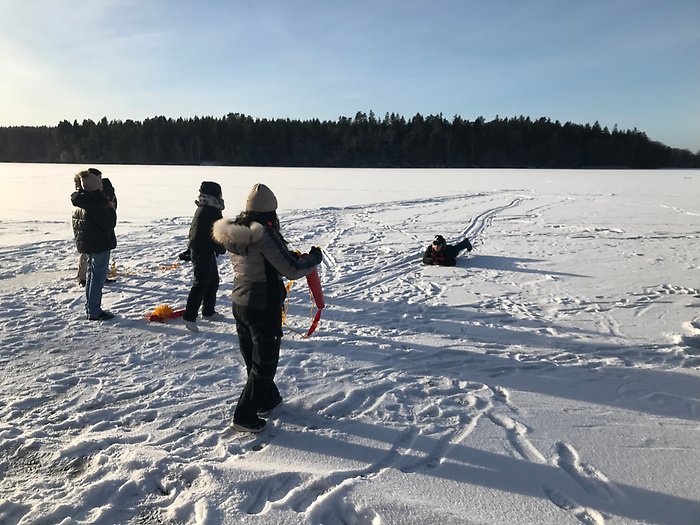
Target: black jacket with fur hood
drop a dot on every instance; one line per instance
(260, 258)
(94, 220)
(200, 239)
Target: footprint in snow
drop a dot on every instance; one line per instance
(272, 488)
(592, 480)
(583, 514)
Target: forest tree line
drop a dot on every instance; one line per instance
(364, 141)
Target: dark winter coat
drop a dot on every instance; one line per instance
(93, 222)
(109, 192)
(447, 256)
(260, 258)
(200, 239)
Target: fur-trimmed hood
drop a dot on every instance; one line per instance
(260, 259)
(237, 238)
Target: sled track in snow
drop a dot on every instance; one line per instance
(390, 255)
(483, 221)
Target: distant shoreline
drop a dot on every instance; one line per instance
(360, 142)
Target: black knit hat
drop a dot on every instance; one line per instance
(439, 240)
(210, 188)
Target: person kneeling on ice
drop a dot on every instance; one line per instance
(260, 257)
(202, 251)
(440, 253)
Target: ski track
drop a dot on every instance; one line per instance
(83, 413)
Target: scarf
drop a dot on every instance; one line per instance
(209, 200)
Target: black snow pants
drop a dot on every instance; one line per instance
(204, 287)
(259, 338)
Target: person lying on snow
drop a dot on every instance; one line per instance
(440, 253)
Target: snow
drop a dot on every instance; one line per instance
(552, 377)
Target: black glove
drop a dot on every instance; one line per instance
(469, 246)
(185, 256)
(316, 252)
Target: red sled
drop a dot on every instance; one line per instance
(314, 282)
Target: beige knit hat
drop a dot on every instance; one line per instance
(261, 199)
(90, 181)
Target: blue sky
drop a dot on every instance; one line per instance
(634, 63)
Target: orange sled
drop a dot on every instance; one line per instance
(164, 312)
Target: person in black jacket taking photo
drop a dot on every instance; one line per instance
(94, 220)
(440, 253)
(111, 196)
(202, 251)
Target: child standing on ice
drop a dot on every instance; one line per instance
(442, 254)
(202, 251)
(260, 258)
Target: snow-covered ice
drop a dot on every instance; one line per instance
(552, 377)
